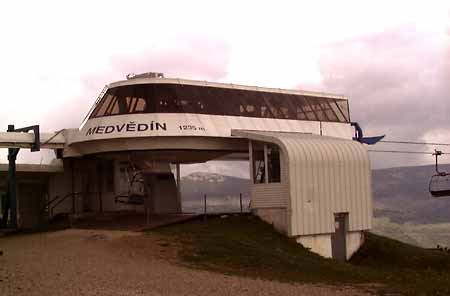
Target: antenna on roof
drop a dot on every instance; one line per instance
(145, 75)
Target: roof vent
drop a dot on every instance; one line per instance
(145, 75)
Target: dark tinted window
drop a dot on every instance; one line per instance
(304, 104)
(178, 98)
(343, 108)
(273, 164)
(259, 169)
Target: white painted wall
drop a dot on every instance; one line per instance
(274, 216)
(354, 241)
(321, 243)
(318, 243)
(203, 125)
(337, 130)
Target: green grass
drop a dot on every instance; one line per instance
(246, 246)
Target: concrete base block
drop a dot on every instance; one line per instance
(275, 216)
(321, 243)
(318, 243)
(354, 241)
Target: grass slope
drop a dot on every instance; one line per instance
(244, 245)
(422, 235)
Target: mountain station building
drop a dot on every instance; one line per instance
(310, 178)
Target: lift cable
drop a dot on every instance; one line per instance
(407, 152)
(415, 143)
(439, 185)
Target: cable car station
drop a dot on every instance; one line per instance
(310, 177)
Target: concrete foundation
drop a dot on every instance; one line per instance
(355, 239)
(275, 216)
(318, 243)
(321, 243)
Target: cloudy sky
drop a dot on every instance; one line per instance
(391, 58)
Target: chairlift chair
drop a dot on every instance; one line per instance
(439, 185)
(132, 198)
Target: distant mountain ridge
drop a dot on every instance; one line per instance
(194, 186)
(400, 194)
(202, 176)
(403, 207)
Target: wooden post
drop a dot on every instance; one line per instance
(240, 201)
(251, 161)
(178, 188)
(204, 206)
(100, 185)
(266, 168)
(150, 197)
(74, 210)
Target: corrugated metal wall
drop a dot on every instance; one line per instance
(272, 195)
(326, 176)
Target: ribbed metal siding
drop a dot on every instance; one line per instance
(273, 195)
(326, 176)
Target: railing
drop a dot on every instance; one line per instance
(212, 204)
(208, 205)
(57, 200)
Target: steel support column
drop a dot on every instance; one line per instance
(178, 188)
(12, 179)
(12, 195)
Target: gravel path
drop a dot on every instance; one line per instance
(94, 262)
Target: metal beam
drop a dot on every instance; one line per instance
(36, 146)
(27, 140)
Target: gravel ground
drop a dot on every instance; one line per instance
(96, 262)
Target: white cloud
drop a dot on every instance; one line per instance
(57, 55)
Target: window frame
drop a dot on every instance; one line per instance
(223, 102)
(268, 177)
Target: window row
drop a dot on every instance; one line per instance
(175, 98)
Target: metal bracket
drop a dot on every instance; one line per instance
(36, 146)
(360, 137)
(437, 153)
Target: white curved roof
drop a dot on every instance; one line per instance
(326, 176)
